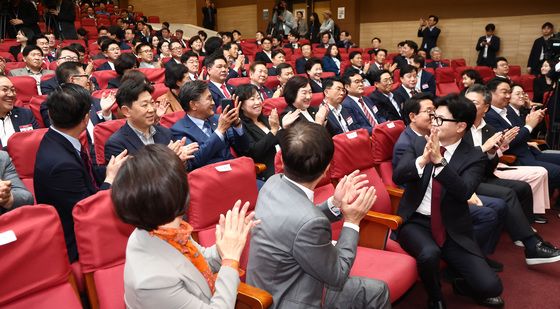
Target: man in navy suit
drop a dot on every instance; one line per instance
(408, 85)
(360, 107)
(425, 81)
(63, 171)
(382, 97)
(306, 54)
(111, 50)
(266, 54)
(14, 119)
(429, 32)
(217, 69)
(339, 119)
(214, 135)
(409, 50)
(487, 47)
(258, 73)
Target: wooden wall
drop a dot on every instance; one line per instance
(241, 18)
(459, 35)
(173, 11)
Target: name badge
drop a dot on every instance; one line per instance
(349, 120)
(425, 86)
(26, 128)
(100, 114)
(375, 110)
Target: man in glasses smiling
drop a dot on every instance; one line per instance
(65, 54)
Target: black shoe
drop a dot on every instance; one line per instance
(460, 287)
(497, 301)
(543, 253)
(436, 304)
(495, 265)
(540, 219)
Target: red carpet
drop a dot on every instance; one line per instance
(525, 287)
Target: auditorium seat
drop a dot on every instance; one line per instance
(237, 81)
(159, 90)
(101, 133)
(514, 71)
(368, 90)
(26, 87)
(154, 75)
(153, 19)
(459, 62)
(316, 99)
(526, 81)
(270, 104)
(35, 106)
(168, 120)
(7, 56)
(384, 137)
(445, 81)
(485, 72)
(272, 82)
(35, 269)
(103, 77)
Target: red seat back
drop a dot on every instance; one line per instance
(26, 87)
(486, 72)
(272, 82)
(237, 81)
(153, 19)
(159, 90)
(6, 55)
(168, 120)
(154, 75)
(460, 62)
(316, 99)
(23, 147)
(384, 137)
(103, 77)
(270, 104)
(35, 106)
(445, 75)
(368, 90)
(514, 71)
(101, 133)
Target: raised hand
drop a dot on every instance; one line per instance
(274, 121)
(290, 117)
(114, 165)
(232, 231)
(107, 101)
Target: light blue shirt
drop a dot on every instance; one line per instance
(74, 141)
(200, 124)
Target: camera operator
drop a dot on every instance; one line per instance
(17, 14)
(283, 20)
(553, 57)
(60, 16)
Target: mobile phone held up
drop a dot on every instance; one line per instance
(226, 102)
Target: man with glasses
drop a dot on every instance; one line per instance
(145, 53)
(176, 53)
(111, 50)
(12, 118)
(440, 174)
(65, 54)
(33, 58)
(382, 97)
(361, 108)
(190, 61)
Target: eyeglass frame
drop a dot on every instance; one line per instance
(440, 120)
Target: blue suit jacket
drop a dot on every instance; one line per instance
(300, 65)
(406, 139)
(386, 108)
(211, 148)
(126, 138)
(330, 66)
(358, 115)
(61, 180)
(261, 56)
(519, 145)
(428, 82)
(104, 67)
(217, 94)
(333, 125)
(400, 95)
(49, 85)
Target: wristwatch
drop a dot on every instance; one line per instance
(442, 163)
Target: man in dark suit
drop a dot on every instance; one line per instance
(540, 49)
(61, 19)
(21, 14)
(407, 89)
(111, 50)
(258, 74)
(306, 54)
(293, 40)
(64, 54)
(363, 111)
(339, 119)
(435, 54)
(63, 171)
(357, 63)
(176, 53)
(409, 50)
(487, 46)
(382, 97)
(217, 69)
(425, 81)
(429, 33)
(266, 54)
(209, 13)
(214, 135)
(441, 172)
(278, 56)
(14, 119)
(13, 192)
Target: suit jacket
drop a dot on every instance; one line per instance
(429, 38)
(534, 61)
(290, 108)
(384, 105)
(49, 85)
(158, 275)
(272, 71)
(518, 146)
(428, 82)
(330, 66)
(406, 139)
(333, 124)
(211, 148)
(209, 17)
(61, 180)
(22, 117)
(262, 146)
(487, 132)
(300, 65)
(25, 11)
(104, 67)
(436, 64)
(267, 91)
(459, 180)
(401, 94)
(15, 50)
(93, 112)
(358, 114)
(21, 195)
(126, 138)
(315, 88)
(493, 49)
(400, 61)
(217, 94)
(285, 247)
(262, 56)
(23, 72)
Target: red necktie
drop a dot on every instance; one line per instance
(263, 93)
(366, 112)
(84, 154)
(225, 91)
(438, 230)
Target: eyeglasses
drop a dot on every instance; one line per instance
(427, 111)
(147, 51)
(8, 90)
(80, 75)
(387, 81)
(358, 81)
(438, 120)
(177, 48)
(68, 58)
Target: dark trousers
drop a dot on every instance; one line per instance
(416, 238)
(550, 161)
(487, 222)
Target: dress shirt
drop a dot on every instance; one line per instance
(485, 54)
(112, 65)
(307, 116)
(74, 141)
(502, 112)
(147, 65)
(425, 207)
(200, 124)
(146, 139)
(395, 104)
(7, 129)
(337, 112)
(337, 62)
(476, 133)
(219, 86)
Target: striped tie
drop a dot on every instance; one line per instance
(366, 112)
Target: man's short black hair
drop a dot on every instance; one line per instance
(547, 25)
(490, 27)
(130, 90)
(68, 105)
(408, 69)
(412, 45)
(212, 45)
(482, 90)
(173, 74)
(436, 19)
(291, 88)
(37, 37)
(116, 31)
(498, 59)
(228, 34)
(283, 66)
(412, 105)
(106, 43)
(420, 60)
(254, 65)
(323, 33)
(311, 62)
(353, 54)
(294, 33)
(191, 92)
(29, 48)
(278, 51)
(460, 108)
(376, 38)
(125, 61)
(493, 84)
(209, 61)
(380, 50)
(67, 48)
(236, 31)
(188, 54)
(151, 188)
(65, 71)
(378, 74)
(138, 47)
(266, 39)
(307, 150)
(349, 74)
(329, 82)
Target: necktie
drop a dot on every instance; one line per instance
(207, 128)
(438, 230)
(225, 91)
(87, 163)
(263, 94)
(413, 92)
(366, 112)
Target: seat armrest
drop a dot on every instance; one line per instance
(395, 195)
(251, 297)
(259, 168)
(375, 227)
(508, 159)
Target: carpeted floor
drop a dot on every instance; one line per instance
(535, 287)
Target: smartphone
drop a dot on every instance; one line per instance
(226, 102)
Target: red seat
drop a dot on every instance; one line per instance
(272, 82)
(485, 72)
(237, 81)
(26, 87)
(384, 137)
(103, 77)
(460, 62)
(445, 81)
(526, 81)
(35, 263)
(159, 90)
(14, 65)
(168, 120)
(154, 75)
(101, 238)
(153, 19)
(368, 90)
(101, 133)
(327, 74)
(514, 71)
(6, 55)
(317, 99)
(270, 104)
(35, 106)
(22, 148)
(88, 22)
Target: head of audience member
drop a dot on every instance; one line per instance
(307, 150)
(135, 195)
(547, 29)
(435, 53)
(165, 34)
(278, 56)
(501, 67)
(490, 29)
(227, 37)
(266, 44)
(285, 72)
(501, 92)
(67, 53)
(72, 72)
(297, 92)
(190, 61)
(120, 23)
(129, 35)
(259, 35)
(136, 104)
(345, 36)
(353, 83)
(313, 18)
(136, 76)
(90, 12)
(82, 34)
(176, 50)
(68, 108)
(116, 33)
(250, 102)
(418, 62)
(163, 49)
(409, 49)
(43, 42)
(276, 42)
(145, 52)
(400, 48)
(231, 51)
(380, 56)
(196, 44)
(52, 40)
(418, 112)
(111, 50)
(422, 53)
(165, 25)
(33, 57)
(130, 8)
(470, 77)
(7, 96)
(432, 20)
(125, 62)
(518, 98)
(258, 73)
(376, 43)
(102, 31)
(139, 25)
(80, 49)
(327, 14)
(383, 81)
(212, 45)
(306, 50)
(325, 38)
(334, 91)
(217, 69)
(332, 51)
(236, 35)
(124, 15)
(293, 36)
(356, 59)
(299, 15)
(545, 68)
(24, 35)
(203, 35)
(481, 98)
(454, 116)
(314, 69)
(196, 99)
(179, 34)
(409, 77)
(154, 42)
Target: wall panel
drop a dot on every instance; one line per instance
(241, 18)
(176, 11)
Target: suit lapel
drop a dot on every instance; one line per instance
(132, 137)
